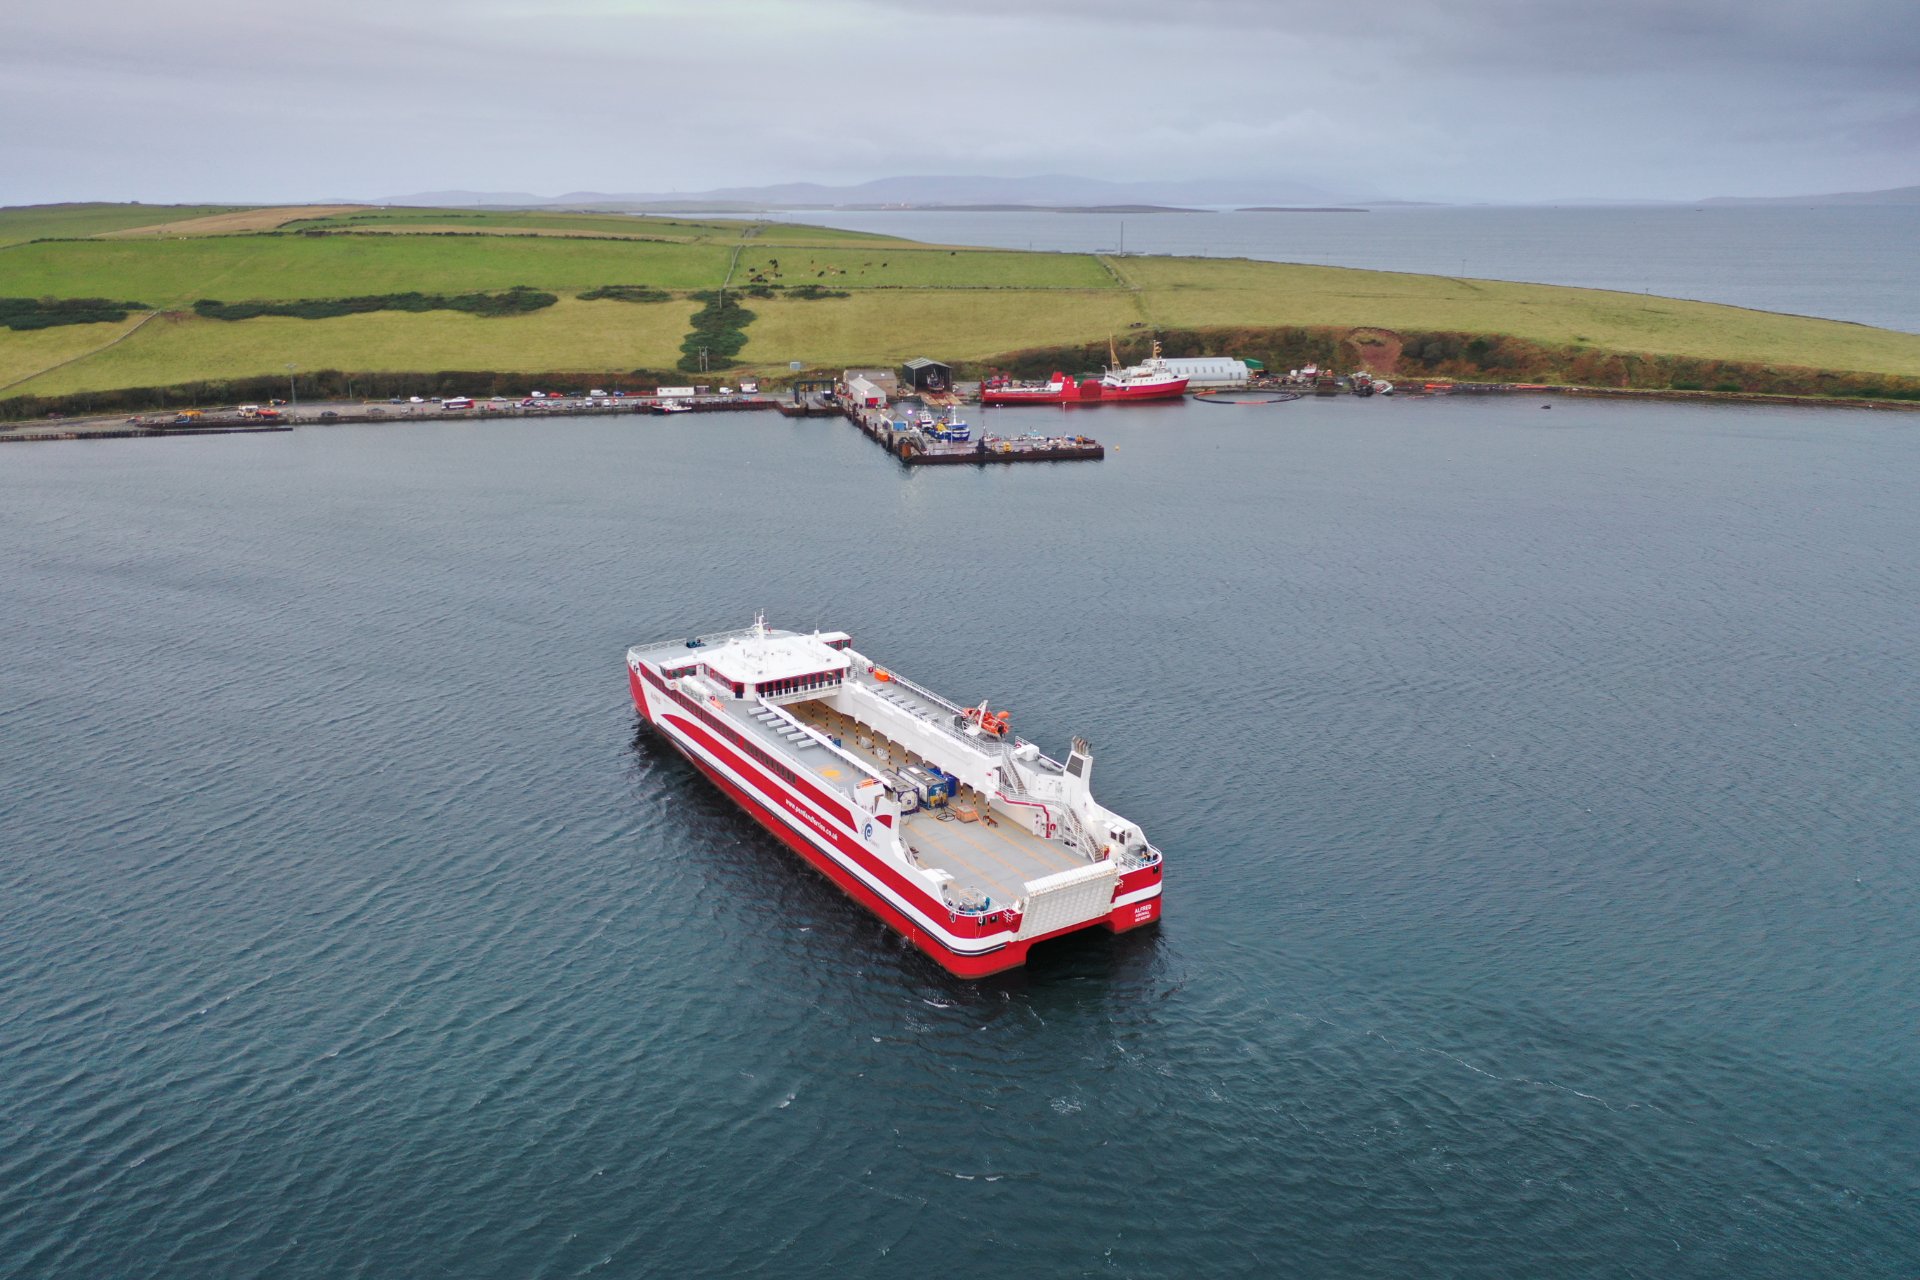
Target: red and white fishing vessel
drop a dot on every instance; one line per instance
(1151, 379)
(958, 834)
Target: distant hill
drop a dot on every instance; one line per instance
(1893, 195)
(1046, 191)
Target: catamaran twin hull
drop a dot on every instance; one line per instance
(960, 836)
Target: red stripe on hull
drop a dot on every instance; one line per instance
(1134, 915)
(1011, 956)
(770, 790)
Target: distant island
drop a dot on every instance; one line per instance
(994, 208)
(921, 191)
(1303, 208)
(1890, 196)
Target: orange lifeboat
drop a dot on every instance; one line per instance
(991, 723)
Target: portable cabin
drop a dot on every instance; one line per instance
(1210, 371)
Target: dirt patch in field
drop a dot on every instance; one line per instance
(240, 220)
(1378, 349)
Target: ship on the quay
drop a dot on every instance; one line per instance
(957, 833)
(1151, 379)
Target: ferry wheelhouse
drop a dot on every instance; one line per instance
(961, 836)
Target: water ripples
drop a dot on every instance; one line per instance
(1538, 812)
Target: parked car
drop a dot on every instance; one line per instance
(415, 400)
(328, 413)
(396, 400)
(377, 411)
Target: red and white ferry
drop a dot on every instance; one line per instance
(1151, 379)
(958, 834)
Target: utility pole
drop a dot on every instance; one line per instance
(293, 400)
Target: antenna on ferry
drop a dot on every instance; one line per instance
(760, 624)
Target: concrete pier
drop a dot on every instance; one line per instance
(914, 449)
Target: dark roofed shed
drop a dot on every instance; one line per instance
(923, 374)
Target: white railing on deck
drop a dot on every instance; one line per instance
(982, 743)
(943, 725)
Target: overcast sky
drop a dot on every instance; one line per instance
(236, 100)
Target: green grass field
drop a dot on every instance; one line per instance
(892, 264)
(173, 273)
(906, 299)
(1201, 293)
(589, 336)
(885, 327)
(25, 354)
(31, 222)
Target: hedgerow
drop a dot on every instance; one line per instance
(48, 313)
(516, 301)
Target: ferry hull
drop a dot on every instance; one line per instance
(1132, 908)
(1085, 391)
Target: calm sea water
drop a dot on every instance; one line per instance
(1855, 264)
(1537, 787)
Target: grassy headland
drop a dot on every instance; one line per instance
(38, 221)
(824, 297)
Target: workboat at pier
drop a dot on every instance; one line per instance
(935, 817)
(949, 430)
(1151, 379)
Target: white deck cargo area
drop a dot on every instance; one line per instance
(995, 856)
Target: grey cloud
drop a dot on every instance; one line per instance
(1480, 99)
